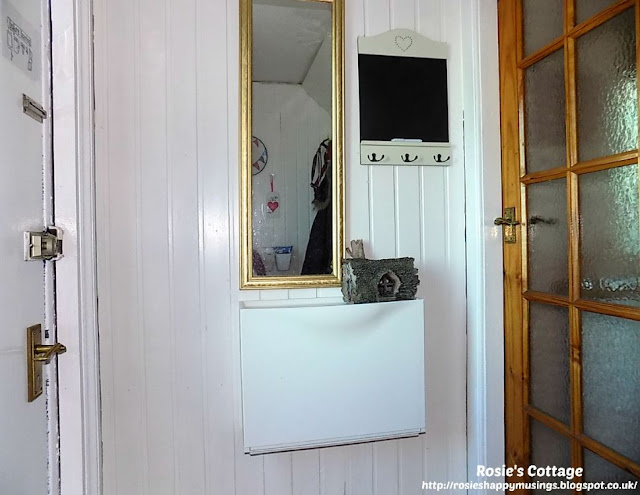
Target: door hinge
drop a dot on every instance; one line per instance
(43, 246)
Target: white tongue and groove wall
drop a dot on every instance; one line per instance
(167, 191)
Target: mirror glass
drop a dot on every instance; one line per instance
(293, 225)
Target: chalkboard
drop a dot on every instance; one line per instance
(403, 97)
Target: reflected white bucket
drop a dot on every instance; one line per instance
(283, 257)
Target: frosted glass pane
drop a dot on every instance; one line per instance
(548, 448)
(610, 235)
(548, 237)
(549, 360)
(607, 88)
(611, 382)
(544, 114)
(597, 469)
(588, 8)
(543, 21)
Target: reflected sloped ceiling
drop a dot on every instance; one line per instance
(287, 35)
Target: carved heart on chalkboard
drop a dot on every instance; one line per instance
(404, 42)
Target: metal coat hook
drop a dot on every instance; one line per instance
(373, 159)
(406, 159)
(438, 158)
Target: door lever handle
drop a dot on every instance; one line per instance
(509, 222)
(45, 353)
(38, 354)
(506, 221)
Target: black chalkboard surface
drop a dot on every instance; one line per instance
(403, 97)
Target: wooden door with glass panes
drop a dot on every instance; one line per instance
(569, 119)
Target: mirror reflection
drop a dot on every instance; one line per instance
(291, 148)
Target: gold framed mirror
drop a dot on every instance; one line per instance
(291, 143)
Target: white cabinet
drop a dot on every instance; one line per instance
(331, 374)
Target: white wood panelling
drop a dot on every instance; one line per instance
(292, 126)
(485, 386)
(167, 201)
(76, 296)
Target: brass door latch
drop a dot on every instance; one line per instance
(33, 109)
(38, 354)
(509, 222)
(43, 246)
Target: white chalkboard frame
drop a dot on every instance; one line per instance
(403, 43)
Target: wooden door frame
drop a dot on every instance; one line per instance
(514, 375)
(78, 370)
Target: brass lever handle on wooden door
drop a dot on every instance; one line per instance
(508, 220)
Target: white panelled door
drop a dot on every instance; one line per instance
(26, 287)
